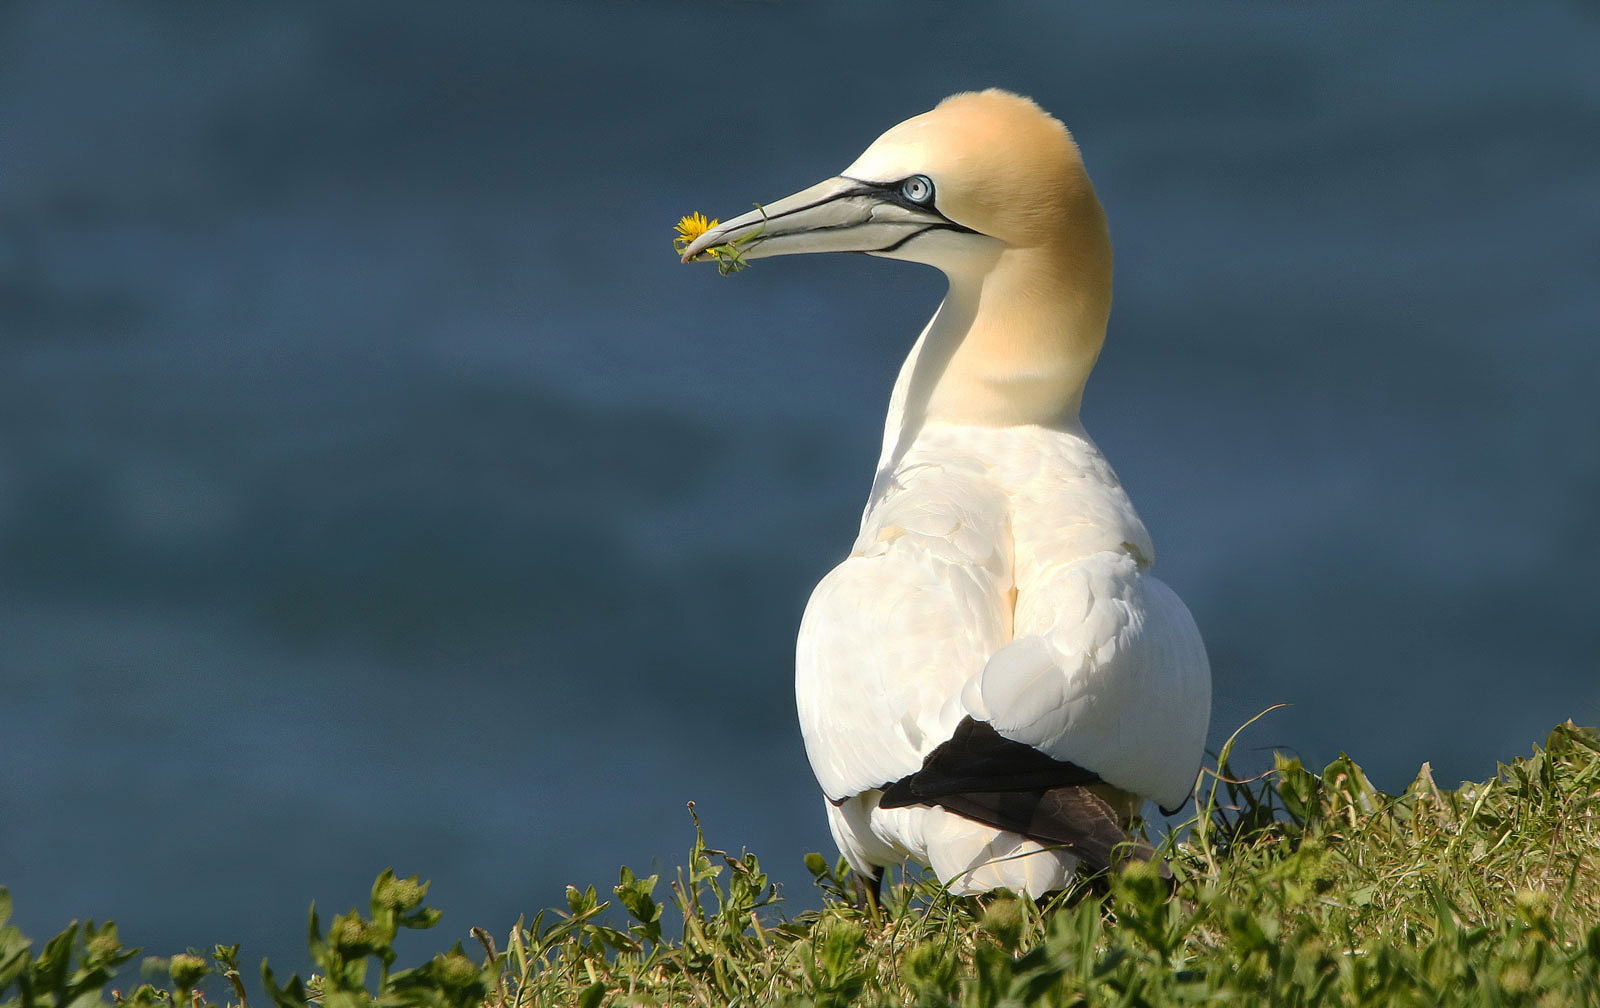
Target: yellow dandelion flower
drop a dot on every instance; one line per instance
(729, 257)
(690, 228)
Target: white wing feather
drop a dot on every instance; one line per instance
(893, 633)
(1108, 672)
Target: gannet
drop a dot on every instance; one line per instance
(993, 682)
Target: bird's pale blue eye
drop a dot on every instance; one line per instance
(917, 189)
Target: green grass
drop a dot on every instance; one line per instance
(1297, 888)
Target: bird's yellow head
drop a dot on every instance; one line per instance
(954, 187)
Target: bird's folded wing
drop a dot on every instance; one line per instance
(1107, 672)
(891, 635)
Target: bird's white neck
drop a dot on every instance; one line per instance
(1009, 346)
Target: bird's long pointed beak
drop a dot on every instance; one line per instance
(835, 215)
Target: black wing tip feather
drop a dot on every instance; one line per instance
(976, 757)
(983, 776)
(898, 794)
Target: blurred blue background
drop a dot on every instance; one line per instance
(376, 488)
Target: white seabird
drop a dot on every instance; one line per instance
(993, 682)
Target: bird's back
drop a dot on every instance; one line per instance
(1000, 574)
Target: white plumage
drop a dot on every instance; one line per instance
(995, 641)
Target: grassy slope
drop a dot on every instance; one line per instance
(1301, 888)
